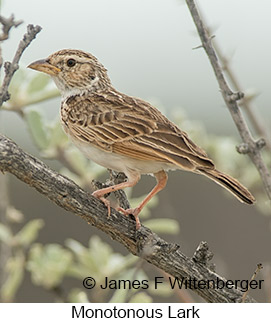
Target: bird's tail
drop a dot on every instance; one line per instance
(231, 184)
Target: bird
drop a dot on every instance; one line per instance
(124, 133)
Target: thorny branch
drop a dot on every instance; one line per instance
(143, 243)
(12, 67)
(252, 147)
(256, 122)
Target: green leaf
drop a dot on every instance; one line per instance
(76, 295)
(38, 83)
(37, 127)
(85, 264)
(15, 269)
(57, 136)
(100, 251)
(119, 296)
(5, 233)
(76, 246)
(141, 297)
(98, 260)
(48, 264)
(14, 215)
(29, 232)
(17, 85)
(168, 226)
(77, 160)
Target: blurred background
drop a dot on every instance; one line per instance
(149, 50)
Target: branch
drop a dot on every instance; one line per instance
(255, 120)
(230, 98)
(143, 243)
(7, 24)
(11, 67)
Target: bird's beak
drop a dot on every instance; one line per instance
(44, 66)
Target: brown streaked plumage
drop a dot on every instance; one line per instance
(124, 133)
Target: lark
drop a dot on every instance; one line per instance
(124, 133)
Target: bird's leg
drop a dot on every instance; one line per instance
(133, 178)
(161, 178)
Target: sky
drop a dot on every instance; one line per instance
(147, 47)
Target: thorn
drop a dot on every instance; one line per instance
(258, 268)
(200, 46)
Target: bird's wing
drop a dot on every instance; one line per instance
(131, 127)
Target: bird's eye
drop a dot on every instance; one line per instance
(71, 62)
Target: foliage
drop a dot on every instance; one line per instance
(19, 244)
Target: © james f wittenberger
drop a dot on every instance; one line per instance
(185, 283)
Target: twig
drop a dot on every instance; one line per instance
(143, 243)
(18, 106)
(267, 281)
(259, 267)
(231, 99)
(12, 67)
(245, 103)
(7, 24)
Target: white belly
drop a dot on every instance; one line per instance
(121, 163)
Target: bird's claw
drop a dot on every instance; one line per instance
(105, 202)
(127, 212)
(133, 212)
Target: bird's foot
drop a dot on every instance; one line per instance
(127, 212)
(133, 212)
(104, 200)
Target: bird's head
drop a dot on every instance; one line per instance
(74, 71)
